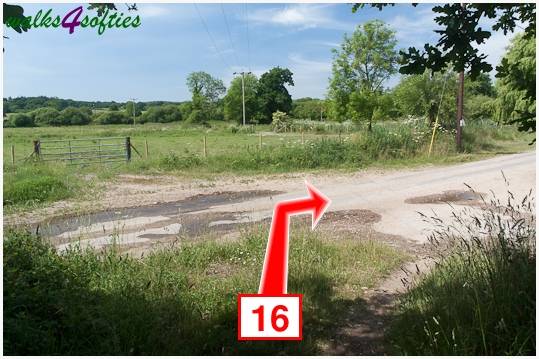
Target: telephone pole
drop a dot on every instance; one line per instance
(460, 111)
(242, 73)
(134, 105)
(460, 98)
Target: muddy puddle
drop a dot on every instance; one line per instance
(138, 226)
(470, 198)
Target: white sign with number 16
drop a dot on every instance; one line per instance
(269, 317)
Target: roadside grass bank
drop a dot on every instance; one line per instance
(176, 301)
(480, 299)
(172, 151)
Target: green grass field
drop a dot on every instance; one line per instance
(180, 301)
(179, 150)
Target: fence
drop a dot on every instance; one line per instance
(84, 151)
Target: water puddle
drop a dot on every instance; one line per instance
(458, 197)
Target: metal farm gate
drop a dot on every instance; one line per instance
(84, 151)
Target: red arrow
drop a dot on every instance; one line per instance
(275, 271)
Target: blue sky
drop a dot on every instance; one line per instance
(152, 61)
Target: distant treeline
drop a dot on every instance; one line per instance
(26, 104)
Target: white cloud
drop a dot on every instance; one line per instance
(310, 76)
(409, 29)
(495, 47)
(152, 10)
(300, 16)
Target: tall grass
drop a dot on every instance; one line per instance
(35, 183)
(480, 297)
(176, 301)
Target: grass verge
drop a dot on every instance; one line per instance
(179, 301)
(480, 297)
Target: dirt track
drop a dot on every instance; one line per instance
(142, 213)
(141, 209)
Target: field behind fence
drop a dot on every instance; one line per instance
(156, 141)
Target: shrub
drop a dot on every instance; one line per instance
(197, 116)
(113, 117)
(75, 116)
(21, 120)
(281, 122)
(47, 116)
(162, 114)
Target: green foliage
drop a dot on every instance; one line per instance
(75, 116)
(113, 118)
(363, 63)
(272, 93)
(14, 18)
(460, 33)
(163, 114)
(131, 107)
(197, 117)
(479, 108)
(308, 109)
(21, 120)
(516, 86)
(206, 91)
(179, 301)
(480, 297)
(233, 100)
(27, 104)
(47, 116)
(420, 96)
(37, 184)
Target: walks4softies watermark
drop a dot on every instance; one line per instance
(74, 19)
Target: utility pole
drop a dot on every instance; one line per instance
(460, 111)
(242, 73)
(134, 105)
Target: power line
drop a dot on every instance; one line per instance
(211, 37)
(230, 35)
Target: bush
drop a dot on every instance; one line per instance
(281, 122)
(21, 120)
(75, 116)
(47, 116)
(113, 118)
(162, 114)
(480, 297)
(197, 116)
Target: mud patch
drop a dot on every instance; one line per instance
(59, 225)
(469, 198)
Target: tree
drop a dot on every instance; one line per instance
(459, 31)
(516, 100)
(420, 96)
(233, 100)
(21, 120)
(361, 66)
(47, 116)
(206, 91)
(165, 113)
(113, 118)
(75, 116)
(272, 93)
(129, 107)
(307, 108)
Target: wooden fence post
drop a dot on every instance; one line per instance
(128, 148)
(205, 149)
(302, 138)
(146, 147)
(12, 154)
(37, 148)
(260, 142)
